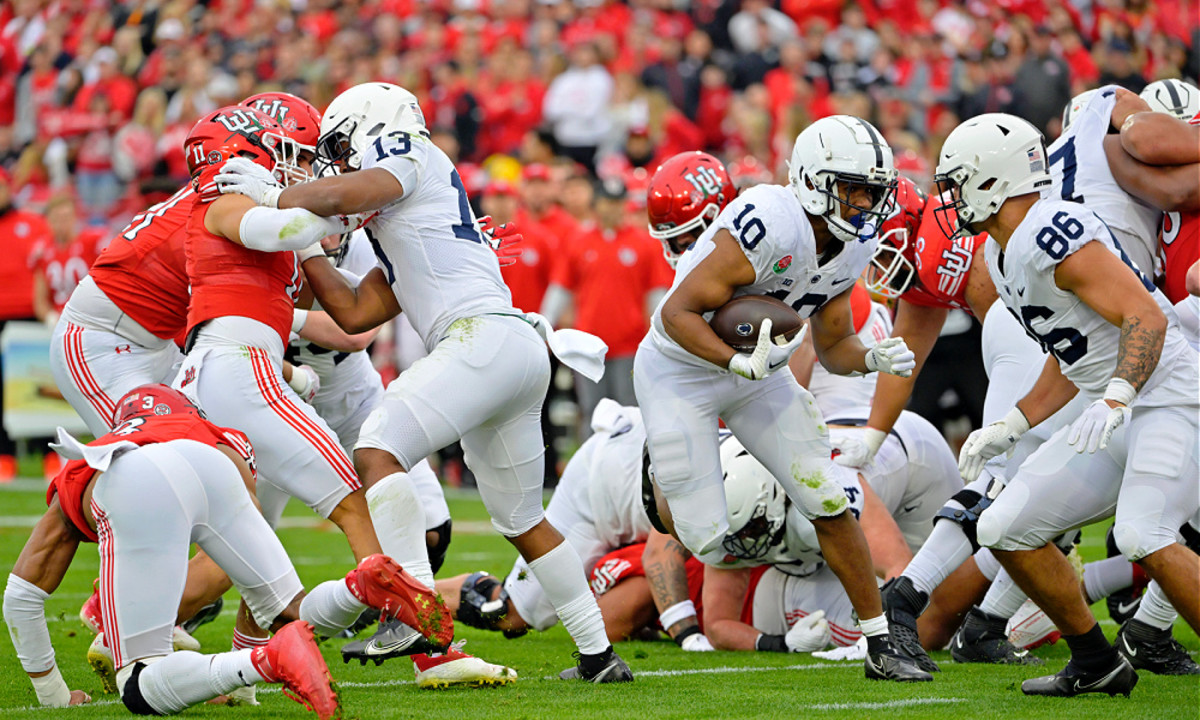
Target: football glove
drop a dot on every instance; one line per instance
(305, 382)
(810, 633)
(767, 357)
(891, 356)
(988, 442)
(858, 452)
(1095, 426)
(501, 238)
(697, 643)
(246, 177)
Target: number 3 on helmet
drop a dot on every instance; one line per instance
(686, 194)
(228, 133)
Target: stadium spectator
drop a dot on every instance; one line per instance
(576, 105)
(1042, 85)
(62, 258)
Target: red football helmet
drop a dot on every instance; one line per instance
(686, 194)
(299, 119)
(894, 266)
(227, 133)
(153, 399)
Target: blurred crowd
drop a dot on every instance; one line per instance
(556, 111)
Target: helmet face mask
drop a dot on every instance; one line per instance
(234, 132)
(363, 115)
(301, 122)
(952, 215)
(334, 147)
(890, 273)
(756, 505)
(756, 538)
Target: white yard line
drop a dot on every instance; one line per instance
(885, 705)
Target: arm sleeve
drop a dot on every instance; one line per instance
(25, 615)
(402, 155)
(271, 230)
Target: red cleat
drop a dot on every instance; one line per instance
(89, 614)
(291, 657)
(382, 584)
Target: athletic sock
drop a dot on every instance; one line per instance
(399, 520)
(1003, 598)
(330, 608)
(946, 549)
(987, 563)
(560, 573)
(1105, 577)
(1091, 651)
(183, 679)
(1155, 609)
(242, 641)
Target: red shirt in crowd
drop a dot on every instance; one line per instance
(611, 272)
(63, 266)
(528, 275)
(21, 231)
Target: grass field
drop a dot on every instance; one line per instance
(670, 683)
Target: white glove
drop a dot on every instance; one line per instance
(305, 382)
(810, 633)
(767, 356)
(857, 452)
(697, 643)
(988, 442)
(1095, 426)
(891, 356)
(245, 177)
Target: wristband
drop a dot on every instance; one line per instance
(770, 643)
(271, 197)
(301, 382)
(51, 689)
(677, 612)
(299, 318)
(686, 633)
(873, 438)
(1120, 390)
(1016, 420)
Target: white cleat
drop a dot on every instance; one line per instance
(243, 696)
(1029, 628)
(181, 640)
(454, 667)
(100, 658)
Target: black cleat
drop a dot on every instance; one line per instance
(1148, 648)
(888, 664)
(607, 667)
(369, 617)
(205, 615)
(1123, 603)
(902, 604)
(982, 639)
(1071, 681)
(392, 639)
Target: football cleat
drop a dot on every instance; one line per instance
(89, 614)
(1148, 648)
(1029, 628)
(380, 583)
(291, 657)
(1072, 680)
(392, 639)
(181, 640)
(607, 667)
(205, 615)
(369, 617)
(889, 664)
(902, 604)
(981, 639)
(454, 667)
(245, 695)
(100, 658)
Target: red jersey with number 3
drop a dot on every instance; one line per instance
(72, 480)
(943, 264)
(231, 280)
(1180, 240)
(143, 270)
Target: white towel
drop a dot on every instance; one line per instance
(610, 417)
(98, 457)
(580, 351)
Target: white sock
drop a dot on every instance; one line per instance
(560, 573)
(987, 563)
(1105, 577)
(946, 549)
(399, 520)
(183, 679)
(1004, 597)
(874, 627)
(242, 641)
(330, 607)
(1156, 610)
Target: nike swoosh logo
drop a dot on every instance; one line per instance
(775, 366)
(1130, 651)
(839, 282)
(1082, 687)
(377, 648)
(910, 508)
(1124, 608)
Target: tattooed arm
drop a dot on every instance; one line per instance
(1106, 285)
(663, 560)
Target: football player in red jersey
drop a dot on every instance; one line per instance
(686, 194)
(61, 261)
(163, 478)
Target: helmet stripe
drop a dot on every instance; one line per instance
(875, 141)
(1176, 101)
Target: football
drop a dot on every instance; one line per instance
(736, 322)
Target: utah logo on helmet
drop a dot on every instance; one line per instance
(686, 194)
(227, 133)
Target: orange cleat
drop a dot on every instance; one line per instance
(291, 657)
(89, 614)
(380, 583)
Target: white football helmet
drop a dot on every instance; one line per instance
(755, 503)
(1174, 97)
(985, 161)
(847, 149)
(1074, 107)
(363, 114)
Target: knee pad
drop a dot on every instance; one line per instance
(131, 693)
(475, 608)
(437, 551)
(966, 514)
(1130, 541)
(671, 467)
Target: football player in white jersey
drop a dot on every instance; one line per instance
(1113, 339)
(486, 374)
(805, 244)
